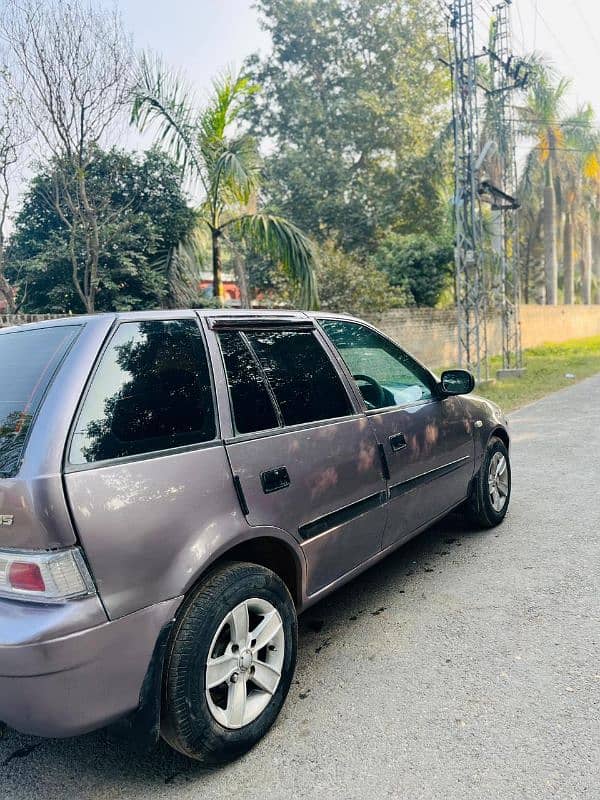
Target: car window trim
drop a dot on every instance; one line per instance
(69, 466)
(300, 426)
(259, 324)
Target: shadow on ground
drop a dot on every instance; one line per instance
(109, 759)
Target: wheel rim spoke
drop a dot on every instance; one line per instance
(219, 670)
(236, 702)
(265, 676)
(239, 624)
(266, 631)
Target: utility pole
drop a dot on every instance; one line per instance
(474, 263)
(508, 75)
(471, 302)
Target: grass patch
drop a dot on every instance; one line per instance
(546, 368)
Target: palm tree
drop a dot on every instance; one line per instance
(543, 117)
(215, 153)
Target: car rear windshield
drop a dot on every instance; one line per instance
(28, 361)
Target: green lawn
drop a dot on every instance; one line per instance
(546, 368)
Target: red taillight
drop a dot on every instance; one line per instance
(27, 577)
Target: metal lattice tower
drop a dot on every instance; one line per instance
(470, 288)
(507, 76)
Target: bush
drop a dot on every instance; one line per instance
(418, 265)
(348, 285)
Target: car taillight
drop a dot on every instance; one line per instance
(44, 577)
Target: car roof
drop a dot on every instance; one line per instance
(169, 313)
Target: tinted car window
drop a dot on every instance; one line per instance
(28, 360)
(385, 374)
(250, 399)
(303, 379)
(151, 392)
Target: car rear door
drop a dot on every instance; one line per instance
(303, 455)
(427, 441)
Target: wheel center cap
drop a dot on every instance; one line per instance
(246, 660)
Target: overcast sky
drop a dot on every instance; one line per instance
(205, 36)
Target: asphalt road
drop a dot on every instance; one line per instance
(464, 666)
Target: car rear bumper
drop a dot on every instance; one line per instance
(70, 684)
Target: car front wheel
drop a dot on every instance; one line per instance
(490, 493)
(231, 663)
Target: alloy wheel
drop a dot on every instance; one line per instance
(244, 663)
(498, 481)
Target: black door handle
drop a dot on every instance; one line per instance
(274, 479)
(398, 442)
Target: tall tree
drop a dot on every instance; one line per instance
(69, 68)
(12, 139)
(144, 214)
(543, 115)
(214, 152)
(352, 99)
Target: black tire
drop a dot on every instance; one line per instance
(187, 723)
(479, 509)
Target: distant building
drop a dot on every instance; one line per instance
(230, 287)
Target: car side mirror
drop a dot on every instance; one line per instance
(456, 381)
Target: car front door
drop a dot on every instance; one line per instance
(303, 454)
(426, 439)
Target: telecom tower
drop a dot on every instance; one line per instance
(470, 290)
(508, 75)
(473, 263)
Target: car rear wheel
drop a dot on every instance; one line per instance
(231, 663)
(490, 493)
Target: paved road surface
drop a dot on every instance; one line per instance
(465, 666)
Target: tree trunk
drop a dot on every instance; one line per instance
(217, 266)
(586, 269)
(550, 260)
(569, 276)
(242, 279)
(596, 262)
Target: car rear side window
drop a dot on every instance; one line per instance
(151, 392)
(28, 361)
(304, 381)
(251, 402)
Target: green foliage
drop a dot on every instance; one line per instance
(355, 286)
(422, 267)
(353, 100)
(215, 152)
(143, 214)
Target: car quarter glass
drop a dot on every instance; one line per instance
(385, 374)
(151, 392)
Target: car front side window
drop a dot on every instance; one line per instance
(386, 375)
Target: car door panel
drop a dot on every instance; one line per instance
(318, 479)
(334, 503)
(426, 441)
(431, 473)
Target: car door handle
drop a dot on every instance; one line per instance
(398, 442)
(274, 479)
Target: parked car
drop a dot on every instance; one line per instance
(176, 486)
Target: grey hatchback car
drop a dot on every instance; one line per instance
(176, 486)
